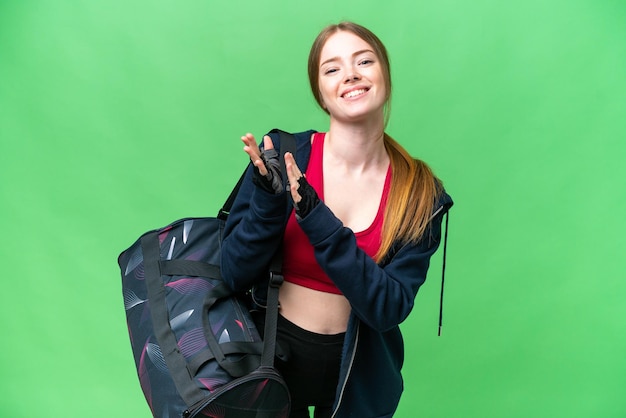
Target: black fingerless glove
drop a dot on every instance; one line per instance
(272, 182)
(309, 198)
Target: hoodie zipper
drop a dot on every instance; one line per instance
(345, 380)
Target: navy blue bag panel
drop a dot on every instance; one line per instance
(196, 348)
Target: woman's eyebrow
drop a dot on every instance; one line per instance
(362, 51)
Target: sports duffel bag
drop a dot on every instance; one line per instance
(196, 349)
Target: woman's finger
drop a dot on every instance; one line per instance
(293, 174)
(252, 149)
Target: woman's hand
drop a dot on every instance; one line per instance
(266, 164)
(303, 194)
(252, 149)
(293, 175)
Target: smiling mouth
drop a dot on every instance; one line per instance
(354, 93)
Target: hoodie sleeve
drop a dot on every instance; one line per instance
(381, 296)
(252, 234)
(254, 228)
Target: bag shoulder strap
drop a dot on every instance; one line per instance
(225, 210)
(287, 144)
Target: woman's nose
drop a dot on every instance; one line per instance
(352, 76)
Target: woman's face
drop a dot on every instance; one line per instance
(351, 81)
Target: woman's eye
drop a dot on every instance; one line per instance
(366, 61)
(330, 71)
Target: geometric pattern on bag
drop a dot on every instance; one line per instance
(196, 349)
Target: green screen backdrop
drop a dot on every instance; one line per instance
(118, 117)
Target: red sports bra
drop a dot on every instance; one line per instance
(299, 265)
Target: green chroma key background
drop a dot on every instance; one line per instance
(118, 117)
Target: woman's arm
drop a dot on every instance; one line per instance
(252, 234)
(254, 226)
(381, 296)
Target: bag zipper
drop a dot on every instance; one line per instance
(259, 373)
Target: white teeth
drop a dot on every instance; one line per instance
(354, 93)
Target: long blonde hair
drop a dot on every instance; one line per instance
(414, 188)
(412, 197)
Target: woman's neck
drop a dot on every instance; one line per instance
(356, 146)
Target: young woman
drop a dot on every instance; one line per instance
(358, 225)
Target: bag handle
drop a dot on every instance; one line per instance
(175, 361)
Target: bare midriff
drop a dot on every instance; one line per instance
(312, 310)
